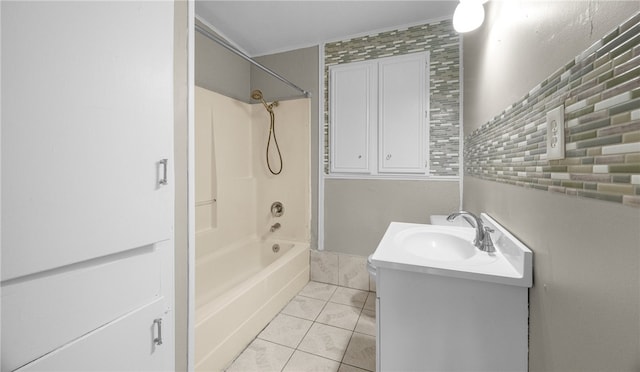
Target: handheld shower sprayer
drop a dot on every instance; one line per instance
(257, 95)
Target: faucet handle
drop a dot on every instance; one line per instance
(277, 209)
(487, 243)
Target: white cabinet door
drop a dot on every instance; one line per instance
(378, 116)
(87, 110)
(87, 240)
(126, 344)
(353, 102)
(402, 114)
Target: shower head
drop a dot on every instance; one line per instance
(257, 95)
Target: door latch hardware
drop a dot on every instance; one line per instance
(163, 180)
(158, 340)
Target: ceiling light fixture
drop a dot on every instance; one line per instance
(469, 15)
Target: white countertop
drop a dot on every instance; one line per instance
(511, 264)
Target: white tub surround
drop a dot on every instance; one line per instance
(241, 283)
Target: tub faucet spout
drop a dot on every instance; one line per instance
(275, 227)
(483, 237)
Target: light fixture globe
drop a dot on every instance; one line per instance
(468, 16)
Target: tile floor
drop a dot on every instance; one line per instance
(323, 328)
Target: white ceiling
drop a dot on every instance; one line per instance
(267, 27)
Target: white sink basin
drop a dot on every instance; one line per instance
(449, 251)
(433, 245)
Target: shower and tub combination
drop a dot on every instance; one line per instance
(251, 256)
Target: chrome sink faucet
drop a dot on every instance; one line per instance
(483, 237)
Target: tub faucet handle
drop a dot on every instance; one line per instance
(277, 209)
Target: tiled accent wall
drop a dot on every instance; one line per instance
(600, 90)
(444, 45)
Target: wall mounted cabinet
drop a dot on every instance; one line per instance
(379, 116)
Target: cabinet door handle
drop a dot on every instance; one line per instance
(163, 164)
(158, 340)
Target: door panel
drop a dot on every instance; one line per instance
(127, 344)
(86, 116)
(352, 101)
(402, 114)
(43, 314)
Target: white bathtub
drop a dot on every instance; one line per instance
(239, 289)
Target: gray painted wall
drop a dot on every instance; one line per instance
(221, 71)
(585, 303)
(359, 211)
(301, 68)
(529, 41)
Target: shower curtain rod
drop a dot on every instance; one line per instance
(229, 47)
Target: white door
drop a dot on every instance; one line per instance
(87, 240)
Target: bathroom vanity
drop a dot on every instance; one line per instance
(444, 305)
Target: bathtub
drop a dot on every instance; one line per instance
(239, 289)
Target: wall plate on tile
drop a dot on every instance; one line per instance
(555, 133)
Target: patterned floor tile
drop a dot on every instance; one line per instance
(367, 323)
(337, 315)
(326, 341)
(261, 356)
(286, 330)
(348, 368)
(349, 296)
(304, 307)
(305, 362)
(320, 291)
(370, 304)
(311, 334)
(361, 352)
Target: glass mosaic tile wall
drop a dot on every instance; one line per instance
(600, 90)
(444, 45)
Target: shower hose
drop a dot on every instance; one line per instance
(272, 133)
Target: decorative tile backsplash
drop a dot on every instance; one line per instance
(600, 90)
(444, 45)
